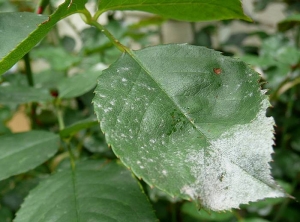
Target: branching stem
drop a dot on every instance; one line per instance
(116, 42)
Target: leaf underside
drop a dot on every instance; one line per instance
(94, 191)
(191, 122)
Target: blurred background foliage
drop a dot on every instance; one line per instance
(67, 59)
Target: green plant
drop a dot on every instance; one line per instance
(183, 118)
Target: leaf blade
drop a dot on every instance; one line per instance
(95, 191)
(22, 94)
(165, 111)
(181, 10)
(74, 128)
(28, 149)
(32, 28)
(78, 85)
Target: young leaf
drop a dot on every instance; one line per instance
(94, 191)
(30, 28)
(191, 122)
(23, 151)
(186, 10)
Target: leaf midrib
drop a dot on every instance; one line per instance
(28, 147)
(202, 4)
(73, 175)
(132, 55)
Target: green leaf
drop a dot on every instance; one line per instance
(80, 125)
(21, 31)
(186, 10)
(191, 210)
(78, 85)
(289, 22)
(94, 141)
(22, 94)
(5, 214)
(94, 191)
(254, 220)
(24, 151)
(191, 122)
(58, 57)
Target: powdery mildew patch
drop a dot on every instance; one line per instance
(235, 169)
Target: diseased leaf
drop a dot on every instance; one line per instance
(94, 191)
(186, 10)
(31, 29)
(191, 122)
(23, 151)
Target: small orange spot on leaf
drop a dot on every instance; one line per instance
(217, 71)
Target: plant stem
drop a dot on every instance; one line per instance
(41, 6)
(59, 113)
(286, 202)
(297, 37)
(28, 70)
(116, 42)
(288, 114)
(72, 157)
(30, 82)
(61, 124)
(194, 31)
(237, 215)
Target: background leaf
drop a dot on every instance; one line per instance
(189, 209)
(23, 94)
(289, 22)
(191, 122)
(74, 128)
(186, 10)
(95, 191)
(24, 151)
(31, 29)
(78, 85)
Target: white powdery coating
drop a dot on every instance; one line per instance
(235, 169)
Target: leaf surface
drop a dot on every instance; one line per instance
(80, 125)
(289, 22)
(94, 191)
(186, 10)
(78, 85)
(21, 31)
(21, 152)
(23, 94)
(191, 122)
